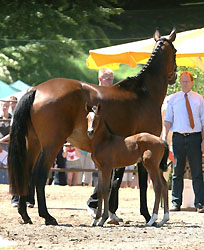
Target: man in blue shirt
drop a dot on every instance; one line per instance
(185, 117)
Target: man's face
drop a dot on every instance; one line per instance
(106, 79)
(186, 83)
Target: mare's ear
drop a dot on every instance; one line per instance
(172, 36)
(156, 35)
(87, 107)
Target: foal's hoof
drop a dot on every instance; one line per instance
(101, 224)
(153, 225)
(51, 221)
(94, 223)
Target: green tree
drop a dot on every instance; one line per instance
(198, 76)
(42, 39)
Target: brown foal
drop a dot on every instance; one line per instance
(111, 151)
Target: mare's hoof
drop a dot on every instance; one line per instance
(27, 221)
(51, 221)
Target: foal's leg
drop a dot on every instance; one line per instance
(154, 175)
(40, 177)
(166, 201)
(106, 175)
(142, 174)
(100, 199)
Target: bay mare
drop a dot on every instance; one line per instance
(111, 151)
(55, 112)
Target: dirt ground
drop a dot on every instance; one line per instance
(185, 230)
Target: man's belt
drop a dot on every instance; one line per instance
(187, 134)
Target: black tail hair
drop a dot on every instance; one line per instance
(163, 164)
(18, 173)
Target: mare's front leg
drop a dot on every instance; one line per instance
(142, 174)
(40, 178)
(106, 177)
(22, 210)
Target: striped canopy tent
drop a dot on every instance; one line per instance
(6, 90)
(189, 45)
(21, 86)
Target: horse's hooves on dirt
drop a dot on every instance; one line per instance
(94, 223)
(29, 221)
(100, 224)
(52, 222)
(153, 225)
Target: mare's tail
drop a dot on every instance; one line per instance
(18, 172)
(163, 164)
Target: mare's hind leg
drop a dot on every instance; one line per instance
(142, 174)
(32, 153)
(166, 201)
(44, 162)
(22, 210)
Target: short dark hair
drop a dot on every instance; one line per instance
(187, 73)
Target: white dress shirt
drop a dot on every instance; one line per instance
(177, 114)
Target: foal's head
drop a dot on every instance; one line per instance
(93, 119)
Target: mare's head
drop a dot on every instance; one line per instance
(165, 45)
(93, 119)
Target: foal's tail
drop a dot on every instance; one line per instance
(163, 164)
(18, 173)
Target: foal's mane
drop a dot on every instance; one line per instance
(139, 85)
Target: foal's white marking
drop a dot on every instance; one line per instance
(152, 220)
(91, 116)
(165, 219)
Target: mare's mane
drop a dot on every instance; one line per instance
(139, 84)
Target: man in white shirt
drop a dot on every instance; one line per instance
(185, 117)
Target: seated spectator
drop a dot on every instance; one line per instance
(72, 154)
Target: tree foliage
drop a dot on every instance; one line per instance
(43, 39)
(40, 39)
(198, 76)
